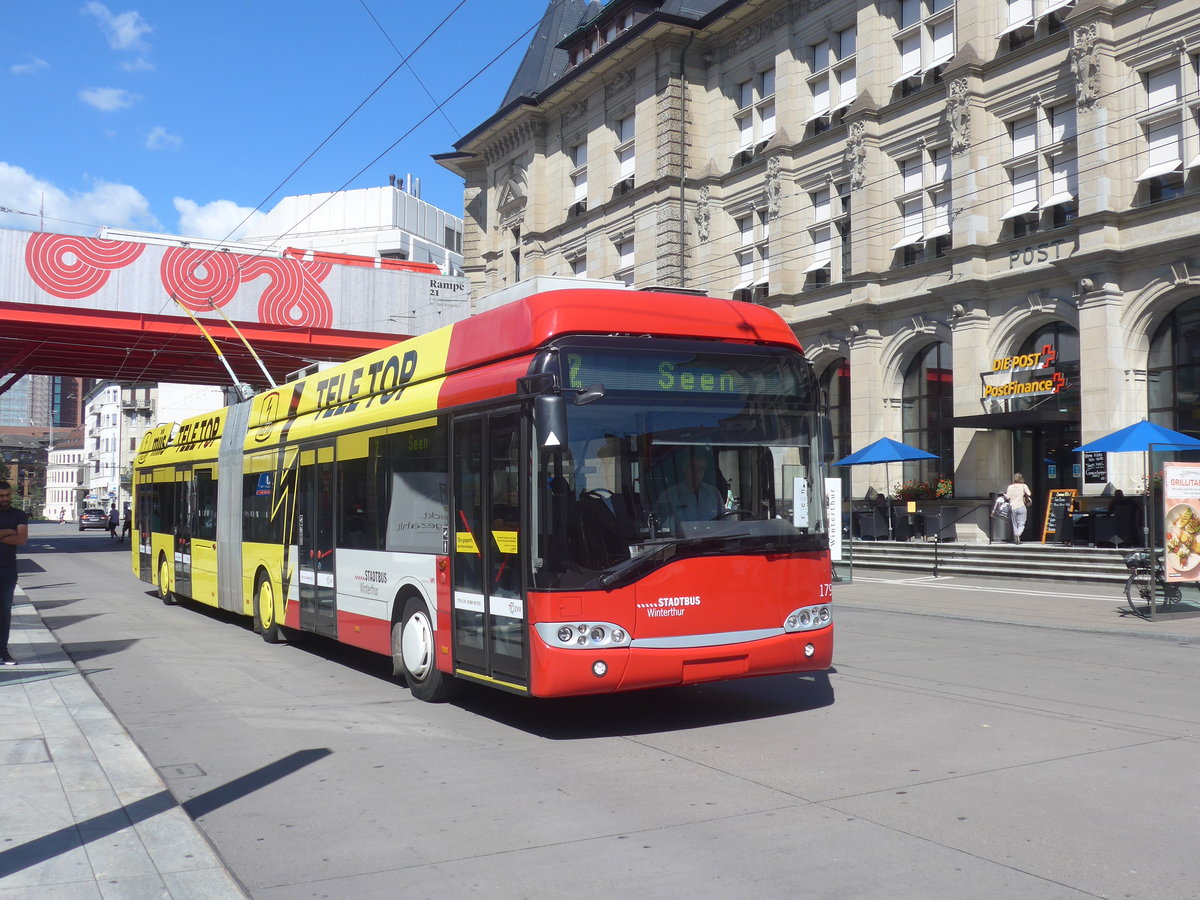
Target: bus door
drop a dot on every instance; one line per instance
(314, 540)
(204, 535)
(490, 622)
(143, 513)
(184, 503)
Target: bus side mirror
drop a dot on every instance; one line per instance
(827, 453)
(589, 394)
(550, 420)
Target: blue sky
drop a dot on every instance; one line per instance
(183, 117)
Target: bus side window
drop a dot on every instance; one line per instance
(358, 518)
(416, 473)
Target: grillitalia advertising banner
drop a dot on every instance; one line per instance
(1181, 522)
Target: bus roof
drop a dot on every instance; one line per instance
(524, 325)
(507, 332)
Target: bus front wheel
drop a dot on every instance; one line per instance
(264, 612)
(164, 573)
(413, 653)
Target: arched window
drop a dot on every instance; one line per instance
(1173, 370)
(1063, 342)
(835, 383)
(928, 407)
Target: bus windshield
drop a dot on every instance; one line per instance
(688, 452)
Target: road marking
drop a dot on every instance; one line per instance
(940, 582)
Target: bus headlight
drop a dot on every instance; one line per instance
(808, 618)
(582, 635)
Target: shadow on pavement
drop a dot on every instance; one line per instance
(42, 849)
(608, 715)
(87, 650)
(654, 711)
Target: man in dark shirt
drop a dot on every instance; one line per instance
(14, 531)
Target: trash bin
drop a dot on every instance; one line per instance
(1001, 527)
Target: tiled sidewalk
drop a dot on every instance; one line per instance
(84, 815)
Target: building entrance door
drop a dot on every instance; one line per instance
(1045, 456)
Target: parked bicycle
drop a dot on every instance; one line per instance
(1140, 590)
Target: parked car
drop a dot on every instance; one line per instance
(93, 518)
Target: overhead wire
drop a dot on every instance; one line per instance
(716, 269)
(438, 106)
(405, 59)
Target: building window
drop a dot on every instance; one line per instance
(1061, 340)
(1027, 17)
(625, 262)
(579, 182)
(928, 406)
(1162, 176)
(835, 383)
(1173, 370)
(923, 200)
(924, 42)
(833, 83)
(1043, 171)
(579, 266)
(818, 273)
(514, 255)
(625, 156)
(753, 256)
(755, 116)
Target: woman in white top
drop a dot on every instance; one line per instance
(1019, 496)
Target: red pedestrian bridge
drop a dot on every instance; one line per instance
(130, 311)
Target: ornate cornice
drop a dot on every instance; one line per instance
(766, 28)
(522, 133)
(619, 82)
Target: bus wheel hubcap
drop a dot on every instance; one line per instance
(266, 605)
(417, 644)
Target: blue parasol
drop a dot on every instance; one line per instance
(1140, 437)
(885, 450)
(1143, 437)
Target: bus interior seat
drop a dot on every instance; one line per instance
(595, 537)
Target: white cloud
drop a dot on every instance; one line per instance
(30, 67)
(107, 99)
(124, 30)
(118, 205)
(160, 139)
(218, 220)
(141, 64)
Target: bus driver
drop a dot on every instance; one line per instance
(694, 498)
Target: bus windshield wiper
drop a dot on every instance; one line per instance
(659, 555)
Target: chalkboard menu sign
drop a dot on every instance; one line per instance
(1095, 468)
(1058, 509)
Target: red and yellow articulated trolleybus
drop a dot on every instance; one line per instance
(583, 491)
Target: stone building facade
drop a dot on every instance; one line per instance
(982, 220)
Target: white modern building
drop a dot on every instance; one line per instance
(63, 470)
(116, 416)
(389, 222)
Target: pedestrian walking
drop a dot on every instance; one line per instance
(114, 519)
(14, 531)
(1020, 498)
(62, 514)
(126, 521)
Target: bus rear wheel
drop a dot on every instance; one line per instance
(164, 592)
(414, 653)
(264, 612)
